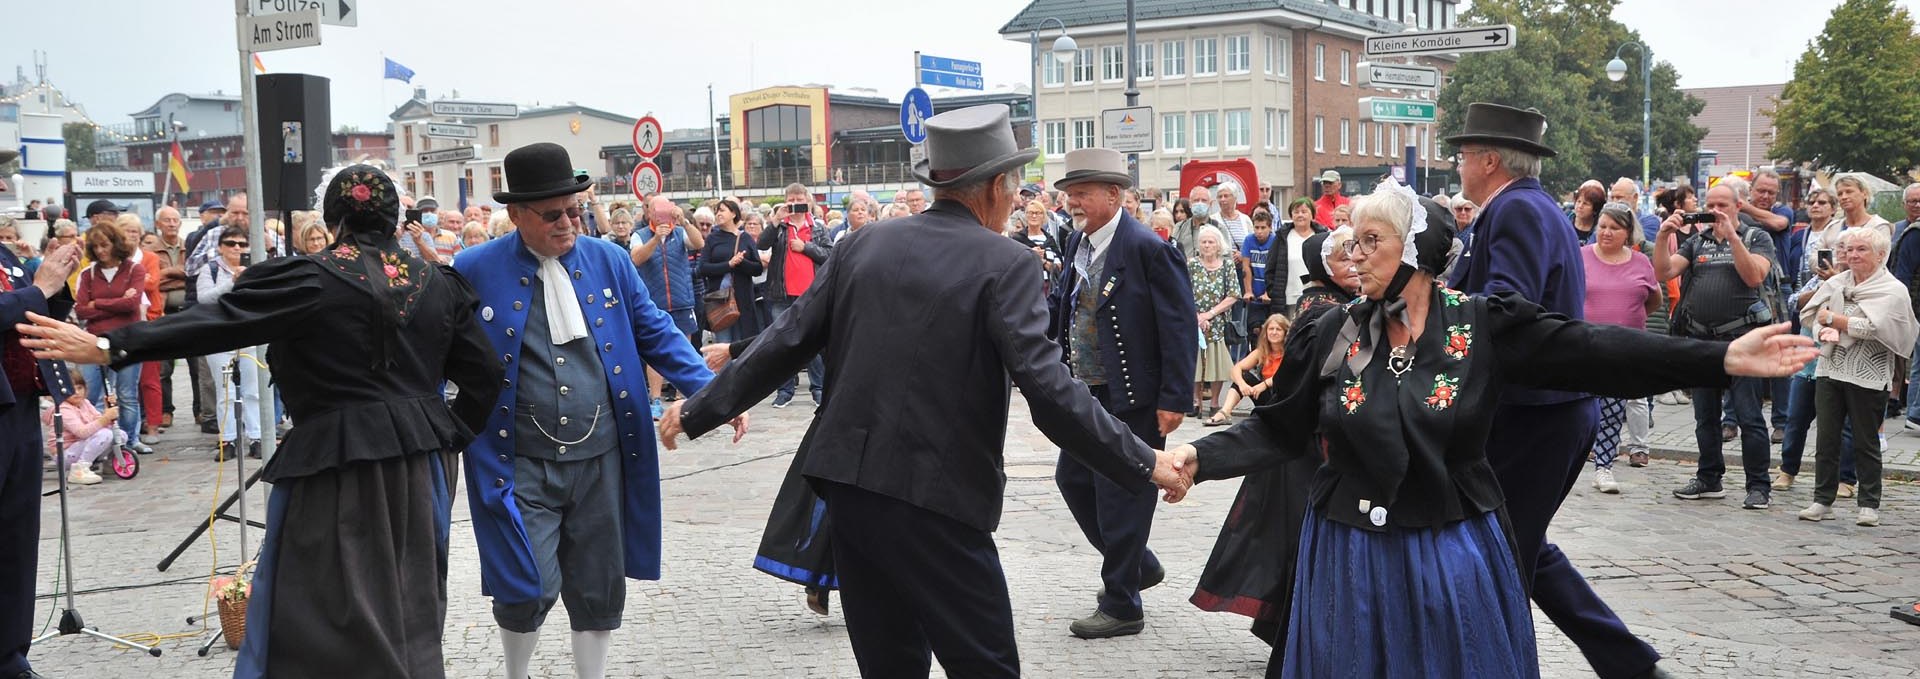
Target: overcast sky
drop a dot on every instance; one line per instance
(633, 57)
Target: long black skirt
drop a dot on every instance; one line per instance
(352, 574)
(1250, 571)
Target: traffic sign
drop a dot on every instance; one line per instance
(1383, 110)
(452, 131)
(933, 63)
(1127, 130)
(1398, 75)
(282, 31)
(332, 12)
(469, 109)
(452, 155)
(1450, 41)
(915, 109)
(646, 180)
(953, 80)
(647, 138)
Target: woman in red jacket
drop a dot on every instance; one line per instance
(108, 297)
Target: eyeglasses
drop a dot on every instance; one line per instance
(1819, 202)
(233, 243)
(1464, 208)
(1462, 154)
(1366, 246)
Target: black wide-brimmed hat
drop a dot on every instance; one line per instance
(1504, 126)
(1105, 166)
(970, 145)
(538, 171)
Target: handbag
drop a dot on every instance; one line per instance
(722, 309)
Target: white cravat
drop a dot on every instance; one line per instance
(564, 322)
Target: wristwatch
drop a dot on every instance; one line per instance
(106, 348)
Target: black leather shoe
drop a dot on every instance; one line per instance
(1152, 577)
(1654, 673)
(30, 674)
(209, 428)
(1101, 626)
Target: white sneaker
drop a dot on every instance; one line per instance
(1868, 517)
(1816, 512)
(1603, 481)
(82, 476)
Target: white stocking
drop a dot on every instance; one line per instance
(519, 647)
(590, 654)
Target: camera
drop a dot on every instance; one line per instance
(413, 216)
(1699, 218)
(798, 209)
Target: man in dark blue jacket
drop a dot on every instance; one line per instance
(20, 442)
(1522, 242)
(1123, 288)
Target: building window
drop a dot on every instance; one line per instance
(468, 172)
(1054, 132)
(1360, 140)
(411, 187)
(493, 135)
(1206, 57)
(1239, 53)
(1393, 138)
(1279, 128)
(1173, 59)
(1239, 129)
(1319, 62)
(1346, 67)
(1206, 131)
(1346, 145)
(1083, 66)
(406, 132)
(495, 180)
(1319, 134)
(1083, 133)
(1143, 61)
(1173, 132)
(1113, 65)
(1052, 72)
(429, 179)
(1424, 146)
(1277, 56)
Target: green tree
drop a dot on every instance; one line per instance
(80, 149)
(1558, 66)
(1854, 101)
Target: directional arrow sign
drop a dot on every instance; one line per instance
(452, 131)
(1381, 110)
(452, 155)
(469, 109)
(1397, 75)
(332, 12)
(281, 31)
(1476, 39)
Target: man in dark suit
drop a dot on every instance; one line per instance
(930, 315)
(20, 442)
(1125, 289)
(1521, 242)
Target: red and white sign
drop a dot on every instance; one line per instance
(646, 180)
(647, 138)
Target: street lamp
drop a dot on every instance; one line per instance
(1616, 71)
(1064, 50)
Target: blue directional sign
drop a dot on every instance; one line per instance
(915, 109)
(944, 72)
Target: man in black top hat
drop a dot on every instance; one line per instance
(913, 490)
(1521, 242)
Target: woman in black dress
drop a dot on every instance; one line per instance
(351, 578)
(730, 259)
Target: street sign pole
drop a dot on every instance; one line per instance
(256, 214)
(1133, 95)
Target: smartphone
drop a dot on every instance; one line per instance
(1824, 257)
(798, 209)
(413, 216)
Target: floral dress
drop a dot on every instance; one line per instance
(1209, 287)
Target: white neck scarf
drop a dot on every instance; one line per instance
(564, 322)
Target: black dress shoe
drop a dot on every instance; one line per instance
(1101, 626)
(29, 674)
(1152, 577)
(817, 599)
(253, 450)
(209, 428)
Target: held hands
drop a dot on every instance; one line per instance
(1174, 469)
(670, 429)
(57, 340)
(717, 356)
(1769, 351)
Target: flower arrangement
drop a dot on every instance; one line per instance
(233, 589)
(230, 593)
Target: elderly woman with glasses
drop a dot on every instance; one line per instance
(1399, 391)
(1800, 389)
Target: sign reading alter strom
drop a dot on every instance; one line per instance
(113, 182)
(1450, 41)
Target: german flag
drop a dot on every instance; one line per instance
(177, 166)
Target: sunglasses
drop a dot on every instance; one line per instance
(550, 216)
(233, 243)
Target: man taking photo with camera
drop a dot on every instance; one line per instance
(1723, 267)
(800, 247)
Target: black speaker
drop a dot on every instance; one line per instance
(296, 138)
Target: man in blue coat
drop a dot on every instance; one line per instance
(1125, 289)
(1522, 242)
(564, 483)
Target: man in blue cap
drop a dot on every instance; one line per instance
(212, 213)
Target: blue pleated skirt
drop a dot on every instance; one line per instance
(1429, 603)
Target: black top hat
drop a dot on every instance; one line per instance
(969, 145)
(1504, 126)
(538, 171)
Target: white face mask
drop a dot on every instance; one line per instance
(1201, 209)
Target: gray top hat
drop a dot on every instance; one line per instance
(970, 145)
(7, 155)
(1106, 166)
(1504, 126)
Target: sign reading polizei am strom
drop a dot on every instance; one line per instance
(282, 31)
(1383, 110)
(1450, 41)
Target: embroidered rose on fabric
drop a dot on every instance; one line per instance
(1459, 339)
(1353, 396)
(1353, 349)
(395, 268)
(1443, 392)
(363, 191)
(347, 252)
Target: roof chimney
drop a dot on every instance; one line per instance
(420, 93)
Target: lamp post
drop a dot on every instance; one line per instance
(1616, 70)
(1064, 49)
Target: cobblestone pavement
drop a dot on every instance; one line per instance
(1672, 437)
(1719, 590)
